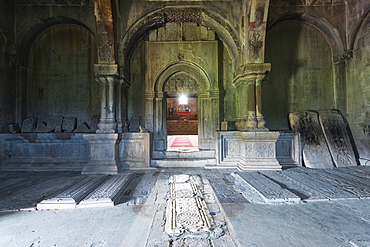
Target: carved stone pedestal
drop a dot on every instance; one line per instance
(258, 150)
(102, 154)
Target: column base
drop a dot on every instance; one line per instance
(103, 158)
(107, 126)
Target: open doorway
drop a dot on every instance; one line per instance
(182, 123)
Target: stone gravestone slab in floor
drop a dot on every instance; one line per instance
(72, 195)
(315, 150)
(337, 138)
(108, 193)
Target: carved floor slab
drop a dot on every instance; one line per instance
(72, 195)
(108, 193)
(309, 178)
(337, 138)
(264, 189)
(186, 212)
(315, 150)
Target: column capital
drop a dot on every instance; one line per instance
(105, 69)
(250, 73)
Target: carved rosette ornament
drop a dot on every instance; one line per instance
(181, 83)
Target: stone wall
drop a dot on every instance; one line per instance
(7, 88)
(358, 87)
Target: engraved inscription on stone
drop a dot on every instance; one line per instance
(337, 137)
(315, 150)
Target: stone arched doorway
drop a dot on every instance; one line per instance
(197, 85)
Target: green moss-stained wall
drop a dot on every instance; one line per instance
(61, 77)
(301, 76)
(358, 90)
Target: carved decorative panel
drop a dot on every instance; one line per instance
(185, 15)
(181, 83)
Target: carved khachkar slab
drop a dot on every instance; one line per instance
(315, 150)
(337, 138)
(186, 212)
(108, 193)
(72, 195)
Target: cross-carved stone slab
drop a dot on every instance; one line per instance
(337, 138)
(72, 195)
(108, 193)
(315, 150)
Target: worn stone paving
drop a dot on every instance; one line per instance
(212, 191)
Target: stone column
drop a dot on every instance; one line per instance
(107, 76)
(121, 105)
(249, 108)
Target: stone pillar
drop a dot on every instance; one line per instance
(121, 106)
(107, 76)
(249, 108)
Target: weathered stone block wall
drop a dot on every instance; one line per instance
(344, 25)
(7, 77)
(358, 74)
(301, 74)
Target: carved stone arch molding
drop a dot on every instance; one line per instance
(158, 18)
(330, 33)
(208, 103)
(363, 28)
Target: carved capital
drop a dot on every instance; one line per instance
(252, 73)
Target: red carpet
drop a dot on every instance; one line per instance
(182, 141)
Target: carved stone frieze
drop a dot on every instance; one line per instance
(184, 15)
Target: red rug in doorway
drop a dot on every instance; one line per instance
(182, 141)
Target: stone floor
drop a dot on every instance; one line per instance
(294, 207)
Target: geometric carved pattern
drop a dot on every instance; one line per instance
(181, 83)
(186, 212)
(188, 15)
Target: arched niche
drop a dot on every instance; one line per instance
(358, 89)
(208, 103)
(301, 76)
(60, 79)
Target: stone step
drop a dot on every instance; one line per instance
(108, 193)
(71, 196)
(259, 189)
(184, 162)
(200, 154)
